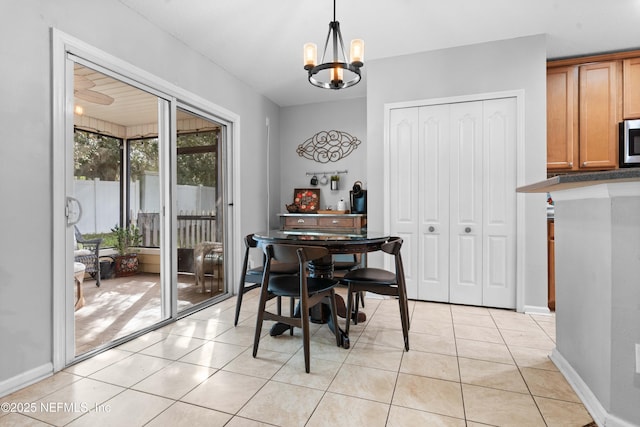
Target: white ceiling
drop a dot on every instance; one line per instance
(260, 41)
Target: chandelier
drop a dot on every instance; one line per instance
(331, 74)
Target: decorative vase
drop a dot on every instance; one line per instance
(126, 265)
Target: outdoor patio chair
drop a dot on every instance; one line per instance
(87, 252)
(207, 256)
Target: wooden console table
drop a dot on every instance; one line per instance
(353, 222)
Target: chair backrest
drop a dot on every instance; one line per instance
(250, 242)
(77, 234)
(93, 243)
(392, 247)
(294, 253)
(289, 254)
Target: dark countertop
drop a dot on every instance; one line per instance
(324, 213)
(565, 182)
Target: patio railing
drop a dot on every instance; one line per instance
(192, 229)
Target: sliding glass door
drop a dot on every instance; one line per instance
(142, 207)
(147, 195)
(199, 214)
(119, 286)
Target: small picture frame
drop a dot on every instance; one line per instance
(307, 200)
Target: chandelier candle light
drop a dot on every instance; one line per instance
(330, 75)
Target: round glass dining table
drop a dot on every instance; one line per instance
(337, 242)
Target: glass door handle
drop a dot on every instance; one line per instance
(73, 210)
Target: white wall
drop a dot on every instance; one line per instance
(26, 150)
(302, 122)
(518, 64)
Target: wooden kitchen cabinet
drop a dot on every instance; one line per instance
(631, 88)
(600, 113)
(562, 117)
(551, 268)
(354, 222)
(584, 107)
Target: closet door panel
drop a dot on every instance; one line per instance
(404, 189)
(434, 203)
(499, 202)
(466, 162)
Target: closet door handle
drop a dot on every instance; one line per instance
(467, 230)
(431, 229)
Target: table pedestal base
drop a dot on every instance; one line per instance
(322, 267)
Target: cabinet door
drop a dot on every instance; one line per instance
(434, 206)
(551, 263)
(466, 203)
(562, 118)
(631, 79)
(599, 115)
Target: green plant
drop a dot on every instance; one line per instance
(335, 177)
(126, 237)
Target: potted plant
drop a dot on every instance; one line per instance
(126, 261)
(334, 181)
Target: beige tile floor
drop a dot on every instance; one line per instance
(467, 366)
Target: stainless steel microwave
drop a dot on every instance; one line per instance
(630, 143)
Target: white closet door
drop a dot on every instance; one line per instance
(499, 203)
(433, 230)
(453, 201)
(405, 189)
(466, 144)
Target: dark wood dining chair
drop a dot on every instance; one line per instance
(345, 264)
(381, 282)
(251, 278)
(309, 290)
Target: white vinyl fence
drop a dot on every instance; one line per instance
(101, 209)
(191, 229)
(100, 202)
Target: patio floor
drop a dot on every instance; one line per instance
(123, 305)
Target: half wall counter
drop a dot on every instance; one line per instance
(597, 286)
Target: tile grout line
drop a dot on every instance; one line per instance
(521, 374)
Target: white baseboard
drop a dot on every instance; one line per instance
(535, 309)
(26, 378)
(590, 401)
